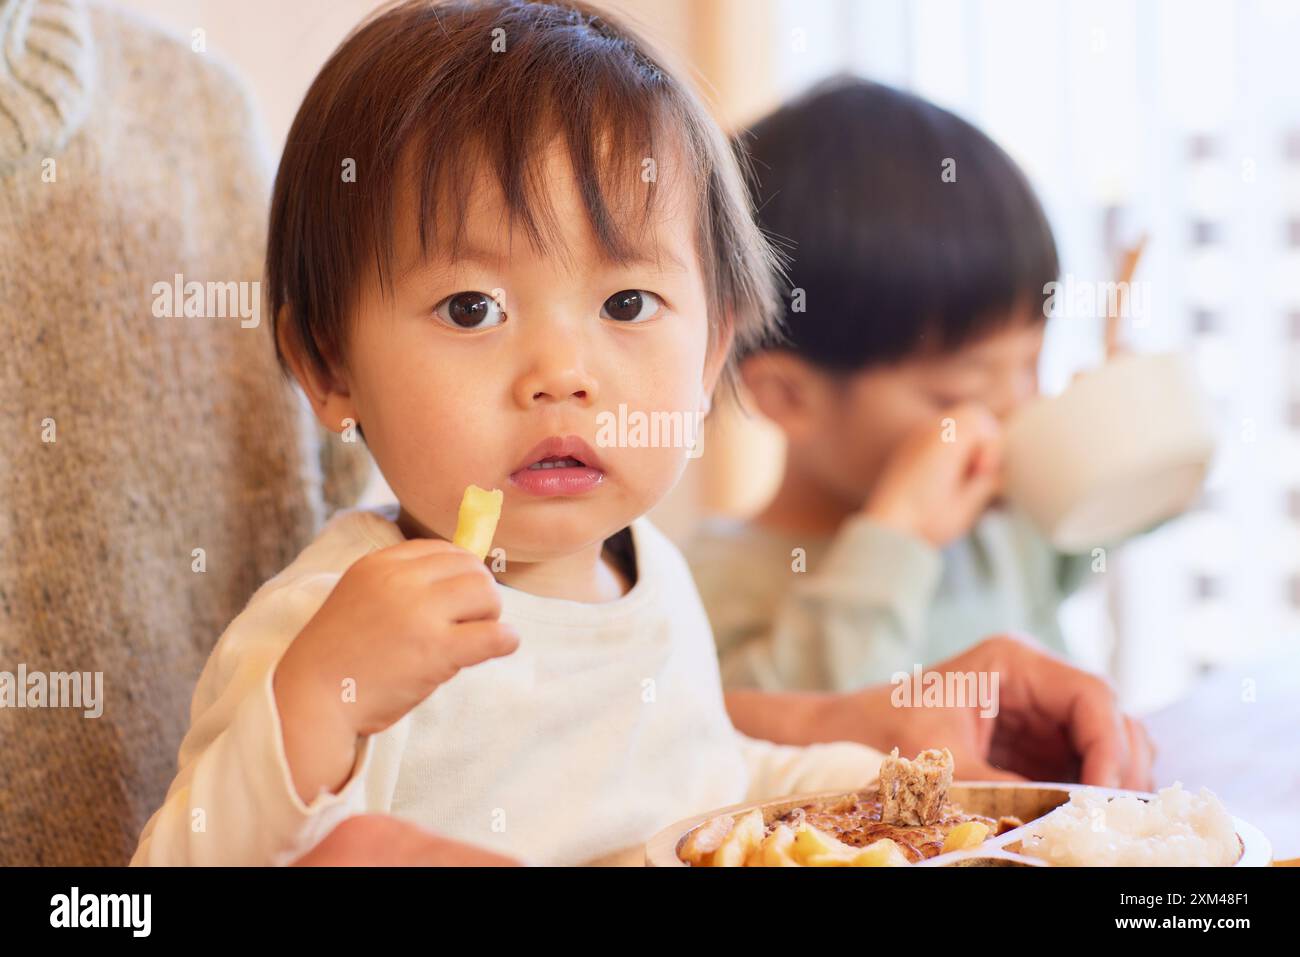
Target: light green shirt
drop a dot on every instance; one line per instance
(837, 613)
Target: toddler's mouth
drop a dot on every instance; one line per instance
(555, 462)
(559, 466)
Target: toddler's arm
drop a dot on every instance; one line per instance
(299, 686)
(855, 620)
(233, 801)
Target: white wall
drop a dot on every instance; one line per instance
(279, 45)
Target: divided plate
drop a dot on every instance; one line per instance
(1027, 801)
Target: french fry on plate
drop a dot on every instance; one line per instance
(967, 834)
(699, 846)
(741, 841)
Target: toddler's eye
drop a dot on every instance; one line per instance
(631, 305)
(470, 310)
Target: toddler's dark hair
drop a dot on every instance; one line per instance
(891, 259)
(460, 86)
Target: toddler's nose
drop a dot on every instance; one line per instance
(555, 384)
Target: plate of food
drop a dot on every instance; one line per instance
(915, 815)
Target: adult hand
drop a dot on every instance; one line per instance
(1054, 722)
(380, 840)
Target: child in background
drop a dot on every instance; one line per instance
(470, 258)
(914, 320)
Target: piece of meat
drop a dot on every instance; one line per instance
(914, 792)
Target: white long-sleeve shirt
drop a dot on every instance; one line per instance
(606, 725)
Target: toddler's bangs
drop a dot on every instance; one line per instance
(614, 137)
(438, 95)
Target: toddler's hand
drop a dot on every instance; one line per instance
(939, 479)
(400, 622)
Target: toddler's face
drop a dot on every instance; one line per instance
(495, 369)
(869, 413)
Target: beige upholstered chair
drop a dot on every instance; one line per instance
(153, 471)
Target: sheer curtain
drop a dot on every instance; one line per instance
(1180, 119)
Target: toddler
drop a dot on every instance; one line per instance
(492, 222)
(919, 261)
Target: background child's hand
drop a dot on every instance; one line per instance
(400, 622)
(939, 479)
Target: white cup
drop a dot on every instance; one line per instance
(1125, 446)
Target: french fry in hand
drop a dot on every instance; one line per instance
(477, 521)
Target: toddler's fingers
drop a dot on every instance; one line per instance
(467, 597)
(987, 460)
(416, 548)
(473, 642)
(974, 443)
(439, 565)
(978, 491)
(991, 450)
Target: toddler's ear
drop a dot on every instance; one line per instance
(714, 363)
(329, 397)
(784, 388)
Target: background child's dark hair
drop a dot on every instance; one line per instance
(452, 88)
(892, 260)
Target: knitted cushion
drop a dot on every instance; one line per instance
(128, 442)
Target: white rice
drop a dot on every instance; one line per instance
(1174, 829)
